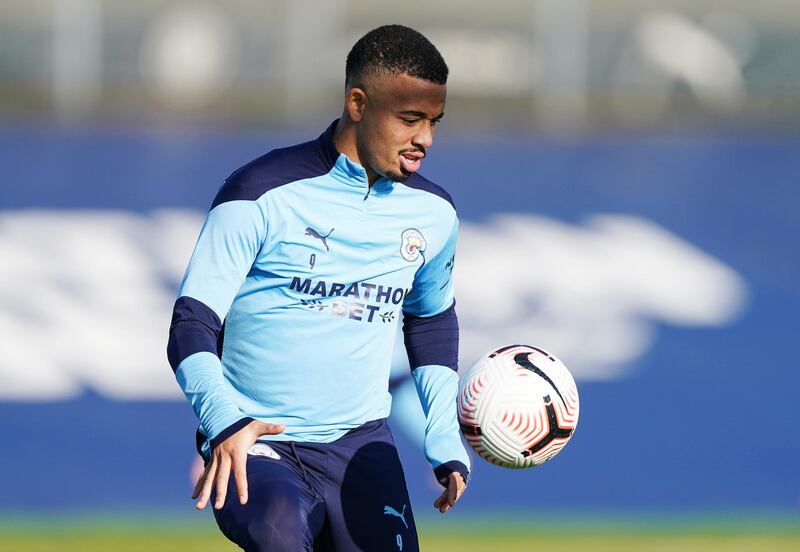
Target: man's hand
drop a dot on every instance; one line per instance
(230, 454)
(455, 488)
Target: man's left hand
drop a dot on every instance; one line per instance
(455, 488)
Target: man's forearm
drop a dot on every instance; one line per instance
(437, 387)
(192, 353)
(200, 377)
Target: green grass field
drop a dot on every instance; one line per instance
(562, 534)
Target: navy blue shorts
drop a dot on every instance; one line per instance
(349, 495)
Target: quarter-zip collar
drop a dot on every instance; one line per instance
(346, 170)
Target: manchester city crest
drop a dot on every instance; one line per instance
(412, 243)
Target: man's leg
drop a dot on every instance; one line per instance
(365, 493)
(283, 513)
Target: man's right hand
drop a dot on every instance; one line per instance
(229, 455)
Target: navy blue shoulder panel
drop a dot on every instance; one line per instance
(279, 167)
(419, 182)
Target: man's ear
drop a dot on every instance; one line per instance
(355, 102)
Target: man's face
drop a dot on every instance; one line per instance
(398, 124)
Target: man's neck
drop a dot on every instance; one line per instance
(344, 138)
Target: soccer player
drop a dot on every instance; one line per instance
(282, 334)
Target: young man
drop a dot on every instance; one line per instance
(308, 255)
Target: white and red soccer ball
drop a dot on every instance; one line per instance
(517, 406)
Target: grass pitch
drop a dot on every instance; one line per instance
(562, 534)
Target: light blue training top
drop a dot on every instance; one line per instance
(310, 268)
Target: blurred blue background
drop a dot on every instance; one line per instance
(628, 179)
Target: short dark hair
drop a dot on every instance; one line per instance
(393, 50)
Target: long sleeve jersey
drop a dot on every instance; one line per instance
(289, 306)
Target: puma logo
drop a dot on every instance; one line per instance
(314, 234)
(389, 511)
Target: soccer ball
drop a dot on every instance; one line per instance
(517, 406)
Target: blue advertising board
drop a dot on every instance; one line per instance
(661, 269)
